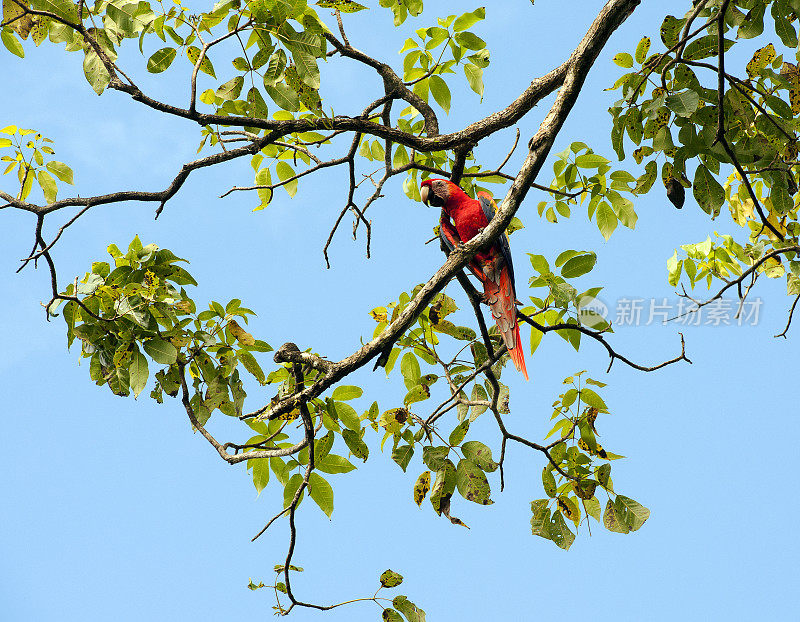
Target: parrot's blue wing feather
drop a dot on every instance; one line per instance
(488, 207)
(445, 240)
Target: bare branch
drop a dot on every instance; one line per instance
(789, 321)
(737, 282)
(135, 195)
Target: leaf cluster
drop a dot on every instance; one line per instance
(137, 311)
(32, 159)
(675, 115)
(579, 466)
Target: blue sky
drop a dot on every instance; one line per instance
(114, 509)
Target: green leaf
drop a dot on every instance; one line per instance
(402, 455)
(606, 219)
(623, 59)
(480, 455)
(285, 173)
(590, 398)
(11, 43)
(344, 6)
(670, 30)
(642, 49)
(231, 89)
(333, 464)
(48, 185)
(645, 182)
(587, 436)
(278, 467)
(474, 76)
(419, 393)
(275, 69)
(684, 103)
(251, 365)
(631, 512)
(357, 446)
(292, 486)
(162, 352)
(536, 339)
(434, 457)
(443, 487)
(441, 92)
(709, 194)
(409, 367)
(390, 615)
(612, 521)
(578, 266)
(559, 532)
(549, 482)
(321, 492)
(322, 447)
(462, 333)
(786, 31)
(540, 521)
(782, 202)
(138, 373)
(703, 47)
(348, 416)
(390, 578)
(95, 72)
(458, 434)
(408, 609)
(119, 381)
(472, 483)
(591, 160)
(193, 54)
(478, 394)
(469, 19)
(161, 60)
(470, 41)
(347, 392)
(260, 473)
(592, 507)
(62, 8)
(60, 170)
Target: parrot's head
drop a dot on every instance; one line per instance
(437, 192)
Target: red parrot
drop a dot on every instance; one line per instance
(493, 266)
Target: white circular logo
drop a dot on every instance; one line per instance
(592, 312)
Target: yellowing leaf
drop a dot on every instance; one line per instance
(761, 58)
(421, 487)
(390, 578)
(343, 6)
(241, 335)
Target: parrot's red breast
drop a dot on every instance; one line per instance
(462, 219)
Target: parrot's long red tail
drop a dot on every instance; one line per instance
(518, 354)
(499, 293)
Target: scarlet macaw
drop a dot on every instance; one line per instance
(493, 266)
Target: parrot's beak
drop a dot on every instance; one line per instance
(424, 193)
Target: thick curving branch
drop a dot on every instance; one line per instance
(611, 16)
